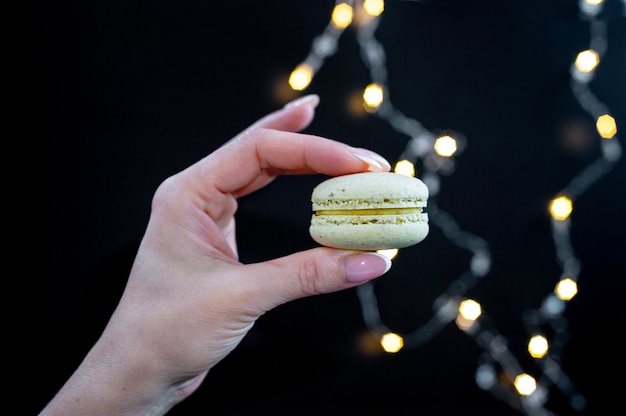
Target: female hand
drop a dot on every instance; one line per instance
(189, 301)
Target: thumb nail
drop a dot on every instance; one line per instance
(366, 266)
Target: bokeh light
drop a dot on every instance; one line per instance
(525, 384)
(373, 96)
(561, 207)
(607, 128)
(342, 16)
(391, 342)
(301, 77)
(405, 167)
(566, 289)
(538, 346)
(587, 61)
(445, 146)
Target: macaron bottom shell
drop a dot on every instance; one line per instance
(367, 235)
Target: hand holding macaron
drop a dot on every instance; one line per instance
(189, 301)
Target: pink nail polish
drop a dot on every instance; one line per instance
(360, 268)
(374, 166)
(376, 162)
(311, 99)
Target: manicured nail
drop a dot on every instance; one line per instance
(376, 162)
(360, 268)
(311, 99)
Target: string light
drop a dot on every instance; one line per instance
(405, 167)
(445, 146)
(373, 96)
(391, 342)
(561, 207)
(469, 311)
(587, 61)
(538, 346)
(590, 7)
(566, 289)
(374, 7)
(342, 15)
(606, 126)
(301, 77)
(525, 384)
(436, 154)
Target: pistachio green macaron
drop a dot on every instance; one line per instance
(369, 211)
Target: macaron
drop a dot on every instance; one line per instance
(369, 211)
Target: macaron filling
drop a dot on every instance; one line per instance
(370, 211)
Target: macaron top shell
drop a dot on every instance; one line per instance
(369, 190)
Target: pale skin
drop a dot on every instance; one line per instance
(189, 301)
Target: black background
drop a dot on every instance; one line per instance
(119, 95)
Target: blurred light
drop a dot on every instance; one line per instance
(485, 376)
(301, 77)
(587, 61)
(590, 7)
(391, 342)
(445, 146)
(470, 309)
(389, 253)
(561, 208)
(606, 126)
(342, 16)
(611, 149)
(525, 384)
(480, 263)
(374, 7)
(433, 182)
(552, 306)
(373, 95)
(464, 324)
(405, 167)
(538, 346)
(566, 289)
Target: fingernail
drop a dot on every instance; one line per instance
(376, 162)
(311, 99)
(366, 266)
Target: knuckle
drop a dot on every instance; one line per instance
(310, 277)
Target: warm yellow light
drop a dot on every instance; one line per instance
(538, 346)
(389, 253)
(301, 77)
(391, 342)
(342, 16)
(373, 95)
(470, 309)
(606, 126)
(593, 2)
(445, 146)
(566, 289)
(405, 167)
(561, 208)
(525, 384)
(587, 61)
(374, 7)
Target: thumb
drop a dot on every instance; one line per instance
(313, 272)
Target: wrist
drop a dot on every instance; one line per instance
(106, 383)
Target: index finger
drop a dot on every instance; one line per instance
(258, 155)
